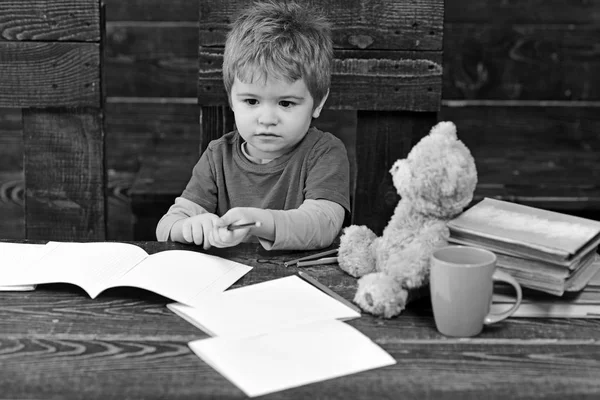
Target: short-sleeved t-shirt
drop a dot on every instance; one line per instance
(317, 168)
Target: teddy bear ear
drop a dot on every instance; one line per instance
(444, 128)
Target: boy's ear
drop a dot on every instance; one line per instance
(318, 109)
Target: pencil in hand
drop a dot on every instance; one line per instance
(233, 227)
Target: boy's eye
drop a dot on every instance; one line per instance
(251, 102)
(286, 104)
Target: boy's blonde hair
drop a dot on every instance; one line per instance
(281, 40)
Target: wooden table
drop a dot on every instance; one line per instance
(55, 343)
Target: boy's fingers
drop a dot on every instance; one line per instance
(198, 236)
(187, 232)
(208, 238)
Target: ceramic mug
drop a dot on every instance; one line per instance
(461, 286)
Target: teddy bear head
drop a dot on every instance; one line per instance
(438, 176)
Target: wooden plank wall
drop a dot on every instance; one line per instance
(50, 59)
(519, 81)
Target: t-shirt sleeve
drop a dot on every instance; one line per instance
(328, 175)
(202, 188)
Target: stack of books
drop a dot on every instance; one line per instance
(536, 304)
(543, 250)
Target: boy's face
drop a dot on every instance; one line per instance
(273, 117)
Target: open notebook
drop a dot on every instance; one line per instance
(180, 275)
(18, 256)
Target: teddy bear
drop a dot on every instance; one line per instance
(435, 182)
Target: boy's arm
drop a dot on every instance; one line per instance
(313, 225)
(169, 226)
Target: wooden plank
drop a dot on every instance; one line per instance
(364, 80)
(133, 129)
(64, 171)
(152, 10)
(151, 60)
(523, 11)
(11, 140)
(521, 62)
(165, 367)
(38, 74)
(45, 20)
(356, 24)
(119, 218)
(382, 138)
(12, 213)
(543, 156)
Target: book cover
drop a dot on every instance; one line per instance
(527, 231)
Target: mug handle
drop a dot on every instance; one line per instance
(501, 276)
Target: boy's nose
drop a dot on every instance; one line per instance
(267, 117)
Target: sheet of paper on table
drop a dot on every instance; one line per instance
(263, 307)
(291, 357)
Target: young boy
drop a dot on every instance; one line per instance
(275, 169)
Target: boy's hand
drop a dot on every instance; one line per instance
(199, 229)
(223, 237)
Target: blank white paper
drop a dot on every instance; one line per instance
(292, 357)
(184, 275)
(263, 307)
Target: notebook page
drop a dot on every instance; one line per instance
(183, 275)
(290, 358)
(264, 307)
(93, 266)
(17, 258)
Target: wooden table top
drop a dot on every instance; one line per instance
(56, 342)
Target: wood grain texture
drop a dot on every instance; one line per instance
(152, 10)
(151, 60)
(523, 11)
(64, 172)
(12, 200)
(55, 342)
(361, 80)
(11, 140)
(521, 61)
(542, 156)
(50, 74)
(50, 20)
(119, 218)
(101, 368)
(133, 129)
(356, 24)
